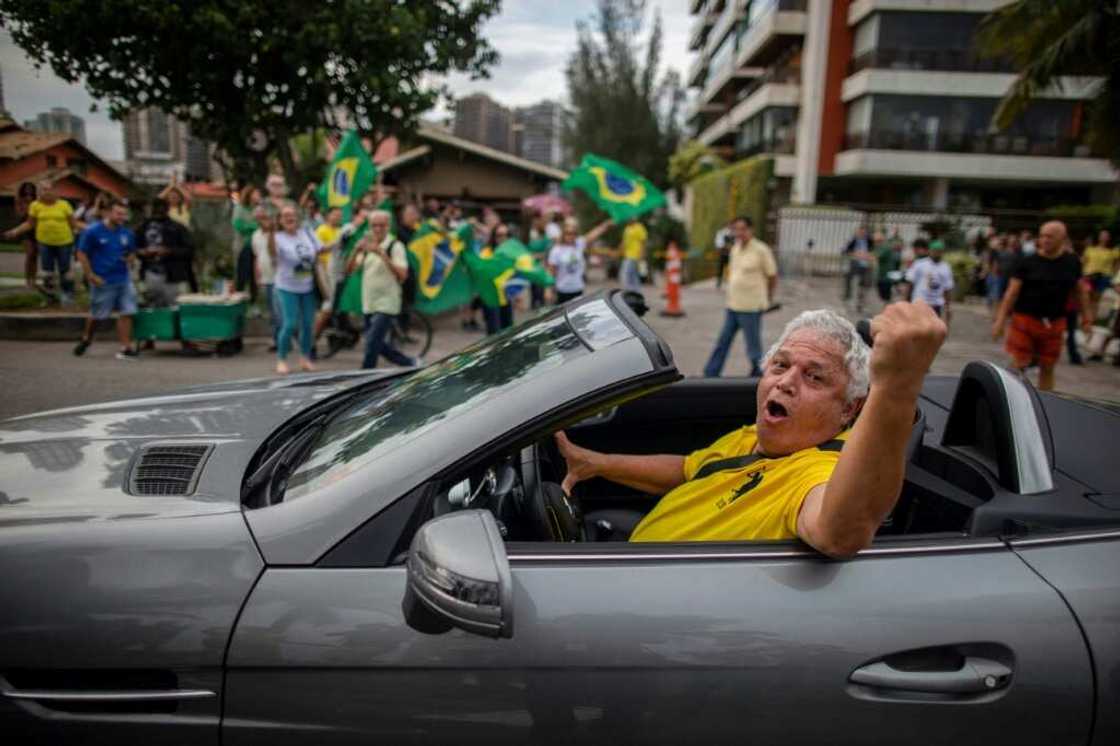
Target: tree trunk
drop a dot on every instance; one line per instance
(287, 162)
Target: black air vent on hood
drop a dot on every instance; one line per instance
(167, 470)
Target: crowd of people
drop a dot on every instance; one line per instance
(1039, 288)
(293, 257)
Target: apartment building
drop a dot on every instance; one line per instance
(540, 133)
(158, 147)
(58, 120)
(481, 119)
(884, 102)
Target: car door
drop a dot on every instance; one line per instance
(934, 640)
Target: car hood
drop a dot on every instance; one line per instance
(71, 464)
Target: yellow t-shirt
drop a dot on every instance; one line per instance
(634, 238)
(731, 493)
(326, 235)
(52, 222)
(749, 268)
(1099, 260)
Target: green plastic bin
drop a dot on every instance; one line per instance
(156, 324)
(211, 322)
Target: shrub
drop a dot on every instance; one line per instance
(742, 188)
(964, 265)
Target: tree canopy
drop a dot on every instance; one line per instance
(1046, 40)
(248, 75)
(620, 108)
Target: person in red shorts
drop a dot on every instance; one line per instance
(1035, 301)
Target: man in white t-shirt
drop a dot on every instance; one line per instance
(932, 279)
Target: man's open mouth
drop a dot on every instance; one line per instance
(775, 410)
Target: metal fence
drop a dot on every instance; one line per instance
(811, 240)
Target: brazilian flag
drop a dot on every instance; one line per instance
(442, 281)
(349, 176)
(618, 191)
(500, 274)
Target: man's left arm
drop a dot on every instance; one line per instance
(840, 517)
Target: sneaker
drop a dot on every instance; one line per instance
(81, 347)
(282, 368)
(128, 354)
(418, 362)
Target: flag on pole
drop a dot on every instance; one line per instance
(618, 191)
(349, 176)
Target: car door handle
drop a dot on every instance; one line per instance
(977, 675)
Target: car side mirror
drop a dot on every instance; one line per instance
(458, 576)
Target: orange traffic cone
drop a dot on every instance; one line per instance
(673, 281)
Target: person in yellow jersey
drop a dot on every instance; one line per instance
(634, 237)
(330, 271)
(52, 221)
(807, 468)
(1099, 263)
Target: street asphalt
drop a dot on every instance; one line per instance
(38, 376)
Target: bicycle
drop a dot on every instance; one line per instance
(411, 333)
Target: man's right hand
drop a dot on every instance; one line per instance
(581, 462)
(907, 337)
(96, 280)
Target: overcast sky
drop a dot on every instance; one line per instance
(533, 37)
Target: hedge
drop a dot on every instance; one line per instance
(740, 189)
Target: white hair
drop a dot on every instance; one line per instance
(380, 214)
(829, 324)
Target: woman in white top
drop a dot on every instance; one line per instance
(294, 251)
(566, 259)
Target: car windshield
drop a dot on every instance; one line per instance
(394, 417)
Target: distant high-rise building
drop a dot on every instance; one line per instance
(156, 146)
(540, 128)
(483, 120)
(58, 120)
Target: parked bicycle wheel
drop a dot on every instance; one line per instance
(411, 333)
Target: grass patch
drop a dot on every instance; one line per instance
(20, 301)
(11, 248)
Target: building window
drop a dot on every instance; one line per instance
(78, 165)
(921, 41)
(772, 130)
(962, 125)
(721, 57)
(52, 161)
(159, 132)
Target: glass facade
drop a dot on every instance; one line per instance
(963, 125)
(772, 130)
(921, 41)
(723, 55)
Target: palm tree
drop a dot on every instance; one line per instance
(1048, 39)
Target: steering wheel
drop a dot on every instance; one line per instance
(554, 515)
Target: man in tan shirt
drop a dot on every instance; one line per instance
(751, 282)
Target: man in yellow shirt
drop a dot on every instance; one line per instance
(54, 225)
(634, 238)
(751, 283)
(1099, 263)
(803, 470)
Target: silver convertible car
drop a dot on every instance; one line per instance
(386, 557)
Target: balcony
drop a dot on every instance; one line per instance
(774, 26)
(981, 142)
(860, 9)
(784, 94)
(951, 60)
(697, 72)
(698, 36)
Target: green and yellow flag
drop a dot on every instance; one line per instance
(349, 176)
(499, 275)
(442, 281)
(618, 191)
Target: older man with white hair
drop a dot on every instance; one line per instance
(808, 468)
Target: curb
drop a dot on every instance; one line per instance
(68, 327)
